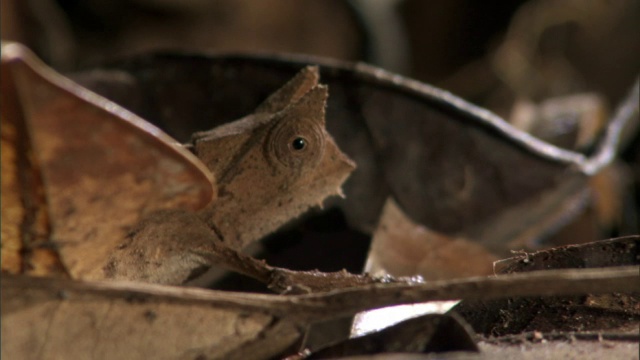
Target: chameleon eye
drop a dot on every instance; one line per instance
(299, 143)
(296, 143)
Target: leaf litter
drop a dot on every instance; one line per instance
(244, 325)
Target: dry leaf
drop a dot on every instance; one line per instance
(614, 252)
(61, 318)
(26, 228)
(617, 313)
(49, 319)
(102, 167)
(400, 247)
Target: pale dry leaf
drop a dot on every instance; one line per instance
(401, 247)
(48, 319)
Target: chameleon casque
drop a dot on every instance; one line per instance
(109, 196)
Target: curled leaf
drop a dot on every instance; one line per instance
(102, 167)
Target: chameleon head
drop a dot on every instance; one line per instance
(274, 164)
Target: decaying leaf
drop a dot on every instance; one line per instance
(62, 318)
(122, 196)
(617, 313)
(614, 252)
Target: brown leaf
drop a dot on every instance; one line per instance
(400, 247)
(602, 312)
(102, 167)
(52, 319)
(26, 230)
(13, 210)
(622, 251)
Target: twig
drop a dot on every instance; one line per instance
(325, 306)
(626, 113)
(535, 283)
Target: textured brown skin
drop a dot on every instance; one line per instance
(263, 181)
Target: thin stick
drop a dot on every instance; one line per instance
(325, 306)
(535, 283)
